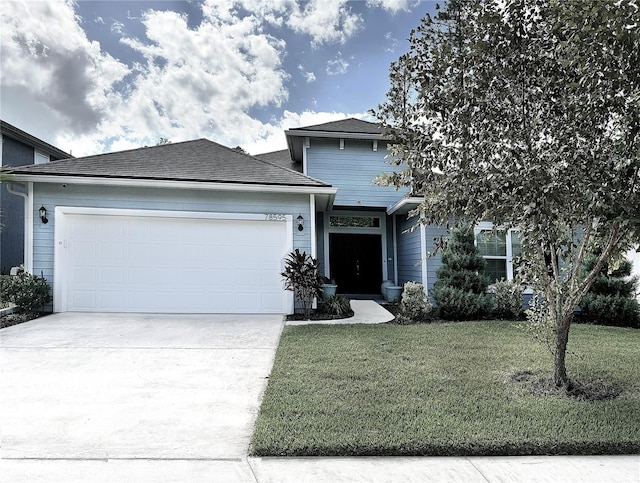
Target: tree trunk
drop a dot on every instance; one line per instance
(562, 338)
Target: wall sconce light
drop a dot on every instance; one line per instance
(300, 223)
(43, 214)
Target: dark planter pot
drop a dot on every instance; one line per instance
(328, 290)
(394, 293)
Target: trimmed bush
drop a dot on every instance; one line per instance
(611, 298)
(507, 299)
(414, 305)
(29, 292)
(460, 292)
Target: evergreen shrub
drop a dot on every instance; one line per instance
(611, 299)
(460, 292)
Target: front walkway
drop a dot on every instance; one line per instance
(364, 312)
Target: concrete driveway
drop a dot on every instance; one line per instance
(84, 390)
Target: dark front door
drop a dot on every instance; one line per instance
(356, 262)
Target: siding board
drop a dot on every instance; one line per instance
(352, 170)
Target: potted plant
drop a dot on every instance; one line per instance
(301, 276)
(329, 288)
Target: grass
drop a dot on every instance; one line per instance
(445, 389)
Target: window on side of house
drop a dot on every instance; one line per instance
(40, 158)
(498, 249)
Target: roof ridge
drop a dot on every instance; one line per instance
(141, 148)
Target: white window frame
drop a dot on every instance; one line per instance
(488, 226)
(40, 158)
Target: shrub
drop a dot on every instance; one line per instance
(414, 304)
(301, 276)
(611, 298)
(29, 292)
(460, 292)
(456, 304)
(610, 310)
(507, 299)
(336, 306)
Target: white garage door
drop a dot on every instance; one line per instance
(180, 264)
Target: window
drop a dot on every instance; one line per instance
(355, 221)
(498, 249)
(40, 158)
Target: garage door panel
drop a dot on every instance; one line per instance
(148, 264)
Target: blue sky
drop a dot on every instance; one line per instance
(96, 76)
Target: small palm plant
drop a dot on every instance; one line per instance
(301, 276)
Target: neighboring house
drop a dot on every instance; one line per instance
(198, 227)
(18, 148)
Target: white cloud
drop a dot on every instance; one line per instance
(193, 82)
(393, 5)
(325, 21)
(49, 65)
(393, 42)
(309, 76)
(337, 66)
(273, 138)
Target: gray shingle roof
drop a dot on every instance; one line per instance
(281, 158)
(200, 160)
(350, 125)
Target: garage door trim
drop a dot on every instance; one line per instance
(60, 282)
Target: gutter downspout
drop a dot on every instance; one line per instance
(28, 223)
(425, 258)
(312, 208)
(395, 250)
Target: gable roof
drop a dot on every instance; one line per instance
(350, 128)
(200, 160)
(13, 132)
(343, 126)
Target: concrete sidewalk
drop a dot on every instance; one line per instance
(527, 469)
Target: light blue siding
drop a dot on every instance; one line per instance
(352, 170)
(411, 253)
(52, 195)
(433, 261)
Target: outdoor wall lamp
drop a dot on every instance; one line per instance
(300, 223)
(43, 214)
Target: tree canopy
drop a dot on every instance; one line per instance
(526, 113)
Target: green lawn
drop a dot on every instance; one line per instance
(444, 389)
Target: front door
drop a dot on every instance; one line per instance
(356, 262)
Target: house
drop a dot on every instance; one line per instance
(198, 227)
(18, 148)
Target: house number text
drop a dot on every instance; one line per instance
(276, 217)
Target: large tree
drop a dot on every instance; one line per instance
(527, 114)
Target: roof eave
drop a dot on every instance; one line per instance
(405, 205)
(335, 135)
(175, 184)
